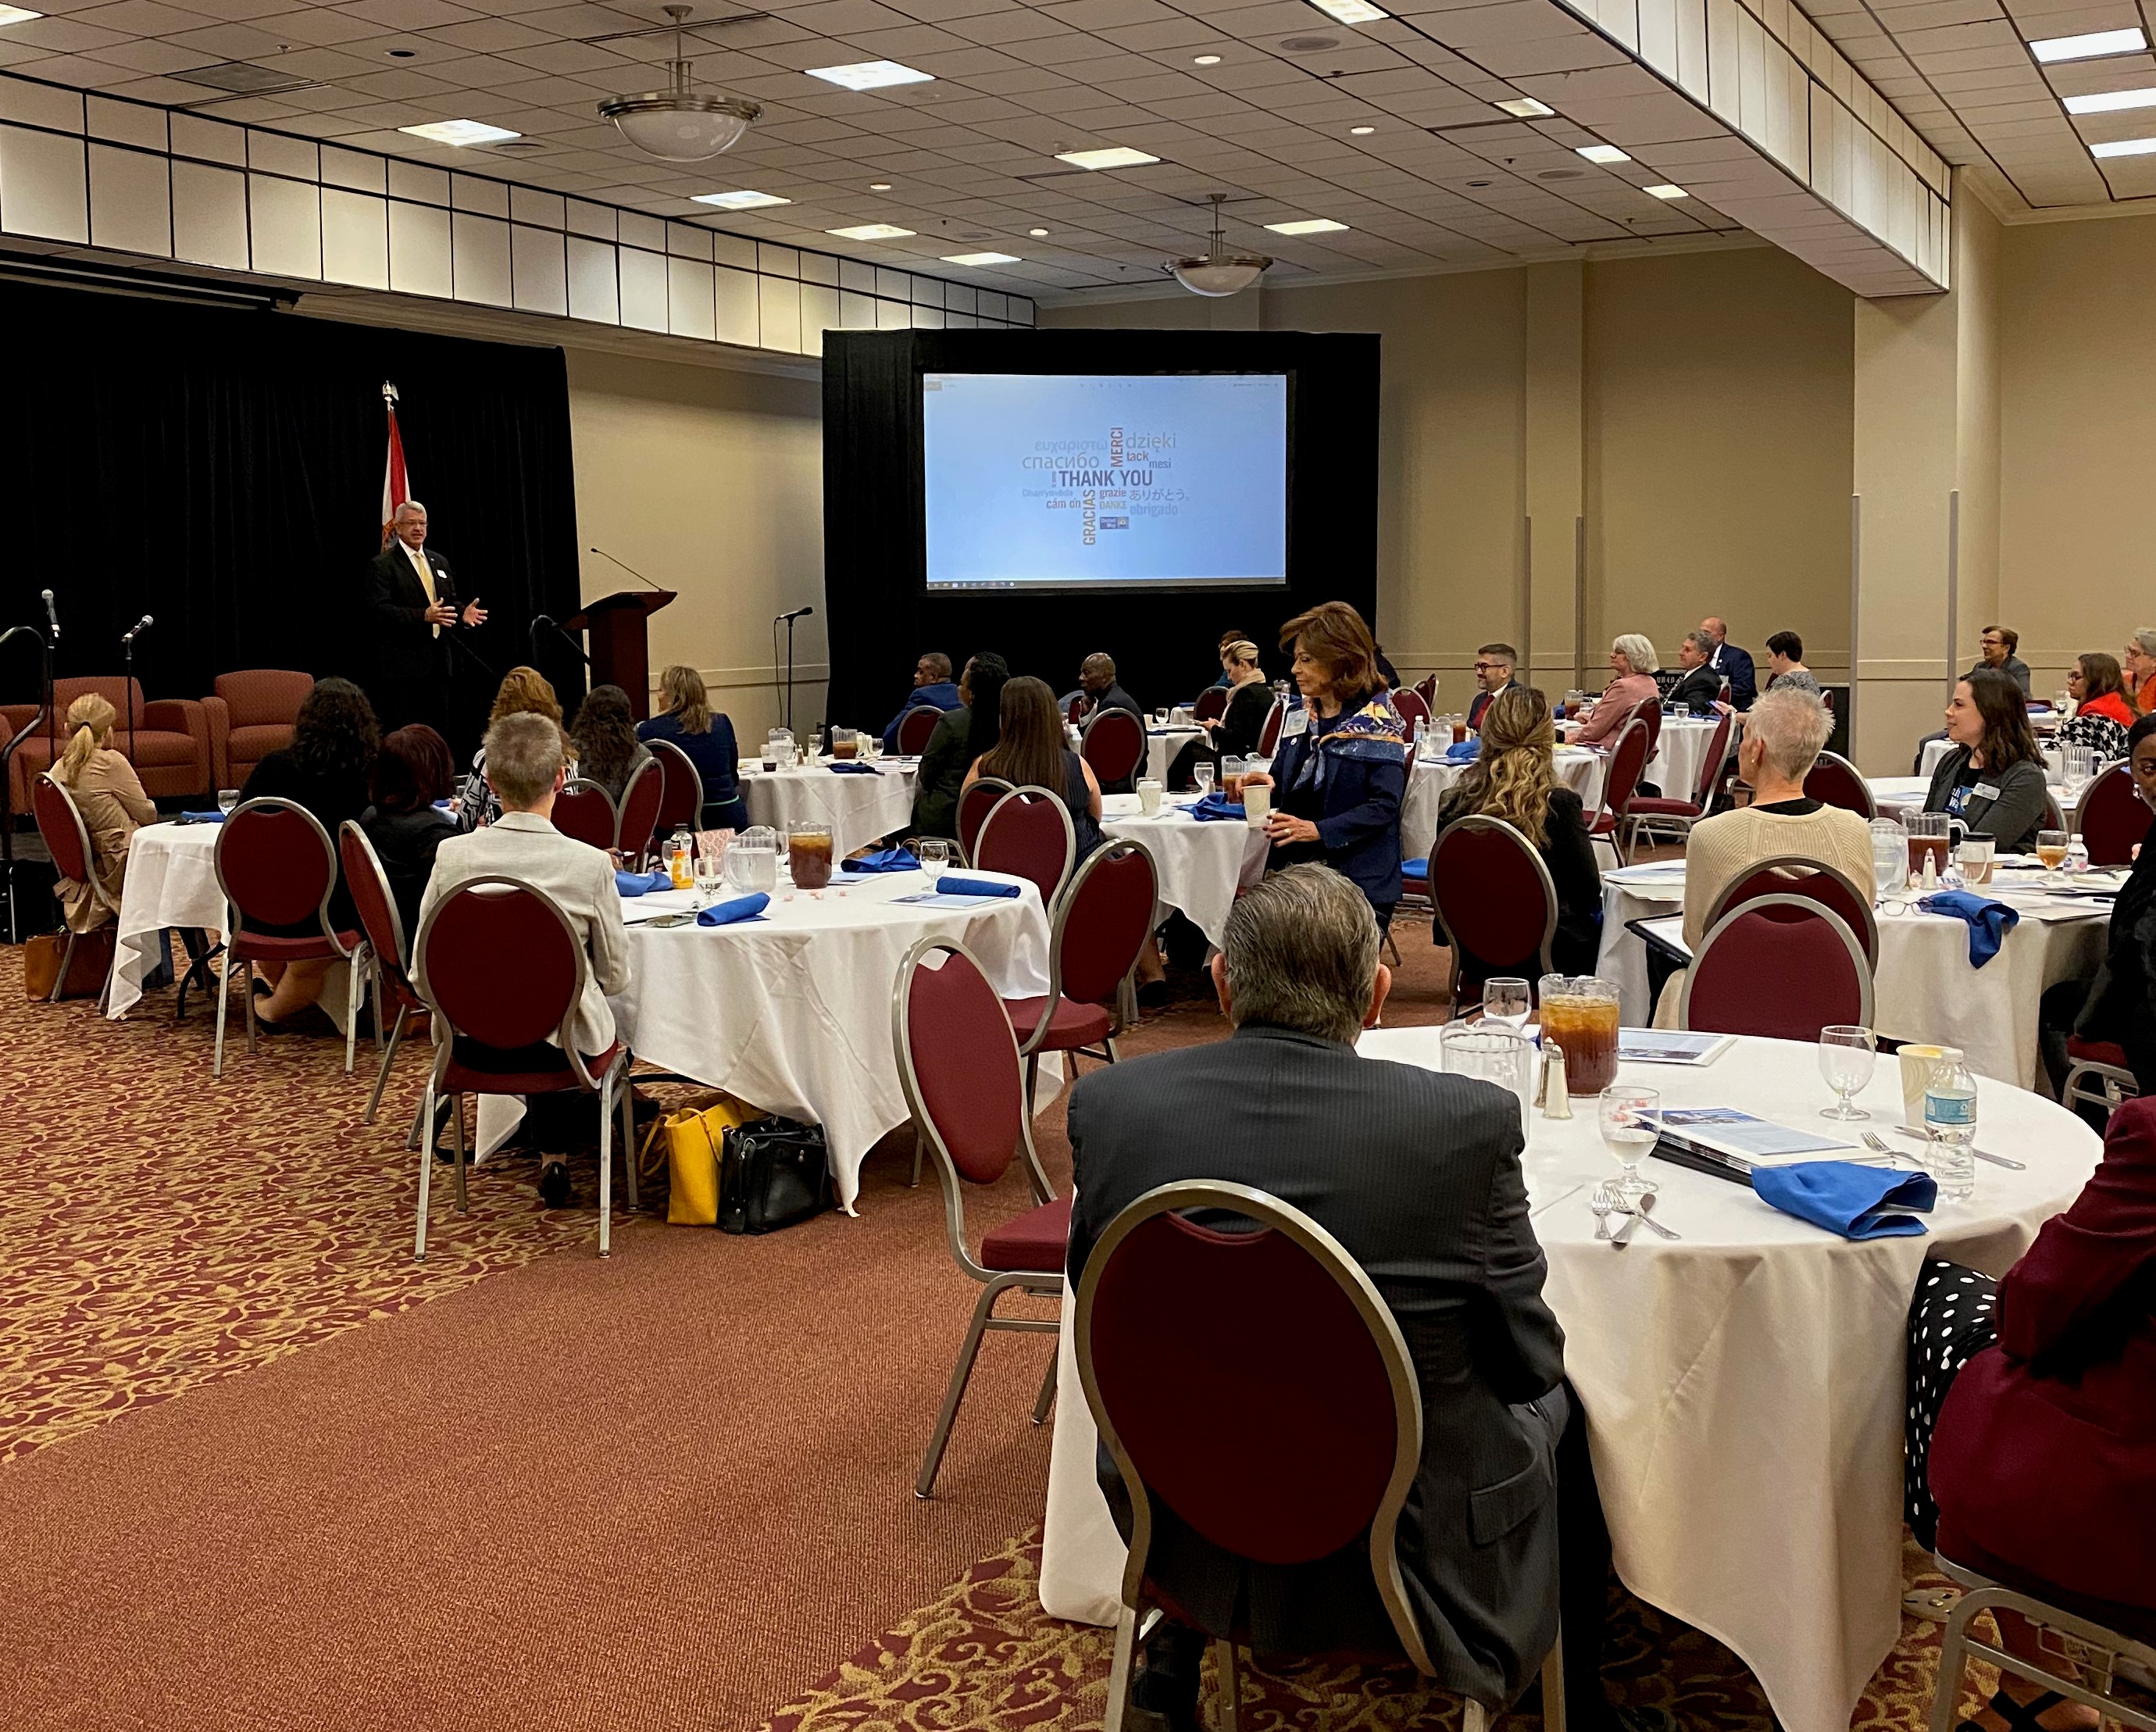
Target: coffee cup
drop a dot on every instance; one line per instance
(1149, 793)
(1257, 801)
(1916, 1063)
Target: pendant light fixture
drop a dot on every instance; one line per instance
(1220, 272)
(679, 124)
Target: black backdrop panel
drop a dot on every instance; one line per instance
(874, 548)
(222, 470)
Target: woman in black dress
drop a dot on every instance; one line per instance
(1034, 753)
(414, 770)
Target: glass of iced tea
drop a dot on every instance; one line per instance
(1232, 772)
(808, 853)
(1459, 736)
(2051, 848)
(1930, 833)
(1579, 1015)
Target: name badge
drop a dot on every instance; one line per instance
(1984, 791)
(1295, 724)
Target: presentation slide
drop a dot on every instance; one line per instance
(1088, 480)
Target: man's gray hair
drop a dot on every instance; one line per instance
(523, 752)
(405, 508)
(1701, 640)
(1638, 648)
(2146, 638)
(1301, 951)
(1791, 726)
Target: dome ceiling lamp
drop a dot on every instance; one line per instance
(1219, 273)
(680, 124)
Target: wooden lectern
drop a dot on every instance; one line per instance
(615, 625)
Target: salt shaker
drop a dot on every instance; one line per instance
(1557, 1099)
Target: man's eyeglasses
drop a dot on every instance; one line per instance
(1488, 667)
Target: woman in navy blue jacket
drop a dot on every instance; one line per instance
(1340, 771)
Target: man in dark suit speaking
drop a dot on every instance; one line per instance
(1418, 1175)
(411, 600)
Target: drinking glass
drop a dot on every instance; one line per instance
(1506, 1001)
(934, 854)
(1629, 1117)
(809, 853)
(1975, 858)
(1890, 857)
(1160, 718)
(711, 864)
(227, 799)
(1202, 774)
(2051, 850)
(1847, 1054)
(2062, 703)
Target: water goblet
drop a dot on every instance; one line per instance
(1202, 774)
(1847, 1054)
(935, 856)
(2051, 850)
(1630, 1117)
(1507, 1002)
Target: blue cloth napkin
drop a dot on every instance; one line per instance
(1854, 1201)
(1462, 751)
(203, 817)
(951, 884)
(1988, 921)
(737, 908)
(846, 768)
(638, 883)
(883, 860)
(1213, 808)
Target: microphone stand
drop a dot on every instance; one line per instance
(127, 645)
(14, 915)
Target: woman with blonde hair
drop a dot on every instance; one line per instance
(1633, 665)
(1514, 778)
(110, 796)
(1235, 731)
(706, 736)
(524, 690)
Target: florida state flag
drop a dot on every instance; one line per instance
(396, 489)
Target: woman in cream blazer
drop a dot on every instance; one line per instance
(109, 795)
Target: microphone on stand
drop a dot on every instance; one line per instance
(629, 568)
(127, 643)
(142, 626)
(801, 612)
(52, 619)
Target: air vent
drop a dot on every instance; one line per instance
(1479, 185)
(241, 78)
(1308, 44)
(1560, 174)
(519, 147)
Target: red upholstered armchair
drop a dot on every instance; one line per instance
(170, 747)
(251, 715)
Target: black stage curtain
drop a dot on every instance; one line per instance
(874, 579)
(222, 470)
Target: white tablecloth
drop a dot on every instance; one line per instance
(171, 880)
(1579, 768)
(1681, 755)
(1743, 1387)
(1162, 745)
(1201, 866)
(1898, 796)
(859, 808)
(1923, 988)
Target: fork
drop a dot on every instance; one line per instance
(1874, 1141)
(1601, 1203)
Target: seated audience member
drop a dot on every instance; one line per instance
(1633, 666)
(525, 765)
(1031, 754)
(1698, 686)
(524, 690)
(110, 796)
(1097, 689)
(2103, 708)
(1785, 661)
(1514, 777)
(1425, 1193)
(412, 771)
(2031, 1412)
(2140, 668)
(2118, 1005)
(1992, 778)
(1999, 642)
(1232, 634)
(1235, 733)
(931, 689)
(1339, 772)
(1732, 663)
(1493, 673)
(962, 739)
(325, 770)
(603, 740)
(1783, 736)
(706, 736)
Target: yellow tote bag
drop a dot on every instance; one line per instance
(691, 1139)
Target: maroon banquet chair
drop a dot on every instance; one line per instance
(1494, 893)
(1649, 709)
(1793, 875)
(914, 728)
(381, 920)
(1269, 734)
(498, 964)
(1426, 690)
(641, 797)
(1100, 925)
(2111, 817)
(974, 805)
(277, 867)
(1679, 812)
(66, 838)
(1412, 708)
(1777, 966)
(1113, 742)
(1627, 761)
(586, 811)
(1028, 833)
(681, 790)
(2097, 1074)
(1256, 1384)
(958, 1066)
(1834, 781)
(1212, 704)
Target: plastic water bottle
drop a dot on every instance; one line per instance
(1950, 1116)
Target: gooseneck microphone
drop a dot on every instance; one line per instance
(142, 626)
(52, 619)
(629, 568)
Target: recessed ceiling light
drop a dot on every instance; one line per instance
(2127, 41)
(1665, 190)
(744, 200)
(17, 15)
(1603, 153)
(1362, 132)
(870, 74)
(1308, 225)
(1114, 157)
(2112, 102)
(1037, 234)
(978, 258)
(1526, 108)
(1351, 12)
(2125, 148)
(1206, 61)
(871, 231)
(879, 186)
(460, 132)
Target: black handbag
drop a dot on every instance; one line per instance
(773, 1172)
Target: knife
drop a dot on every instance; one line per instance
(1997, 1160)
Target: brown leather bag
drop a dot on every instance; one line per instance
(86, 971)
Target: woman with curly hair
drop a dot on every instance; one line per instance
(604, 741)
(524, 690)
(325, 770)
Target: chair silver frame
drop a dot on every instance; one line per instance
(1124, 1013)
(1795, 863)
(1702, 788)
(1269, 730)
(1137, 764)
(898, 734)
(97, 890)
(1839, 926)
(1615, 836)
(696, 778)
(2114, 1088)
(604, 1086)
(2089, 1653)
(1019, 796)
(649, 766)
(994, 1283)
(355, 958)
(350, 827)
(1270, 1212)
(1477, 821)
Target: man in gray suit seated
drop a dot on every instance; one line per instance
(1418, 1174)
(526, 765)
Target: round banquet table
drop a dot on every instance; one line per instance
(1681, 755)
(1743, 1385)
(1578, 768)
(1200, 864)
(859, 809)
(1162, 745)
(171, 882)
